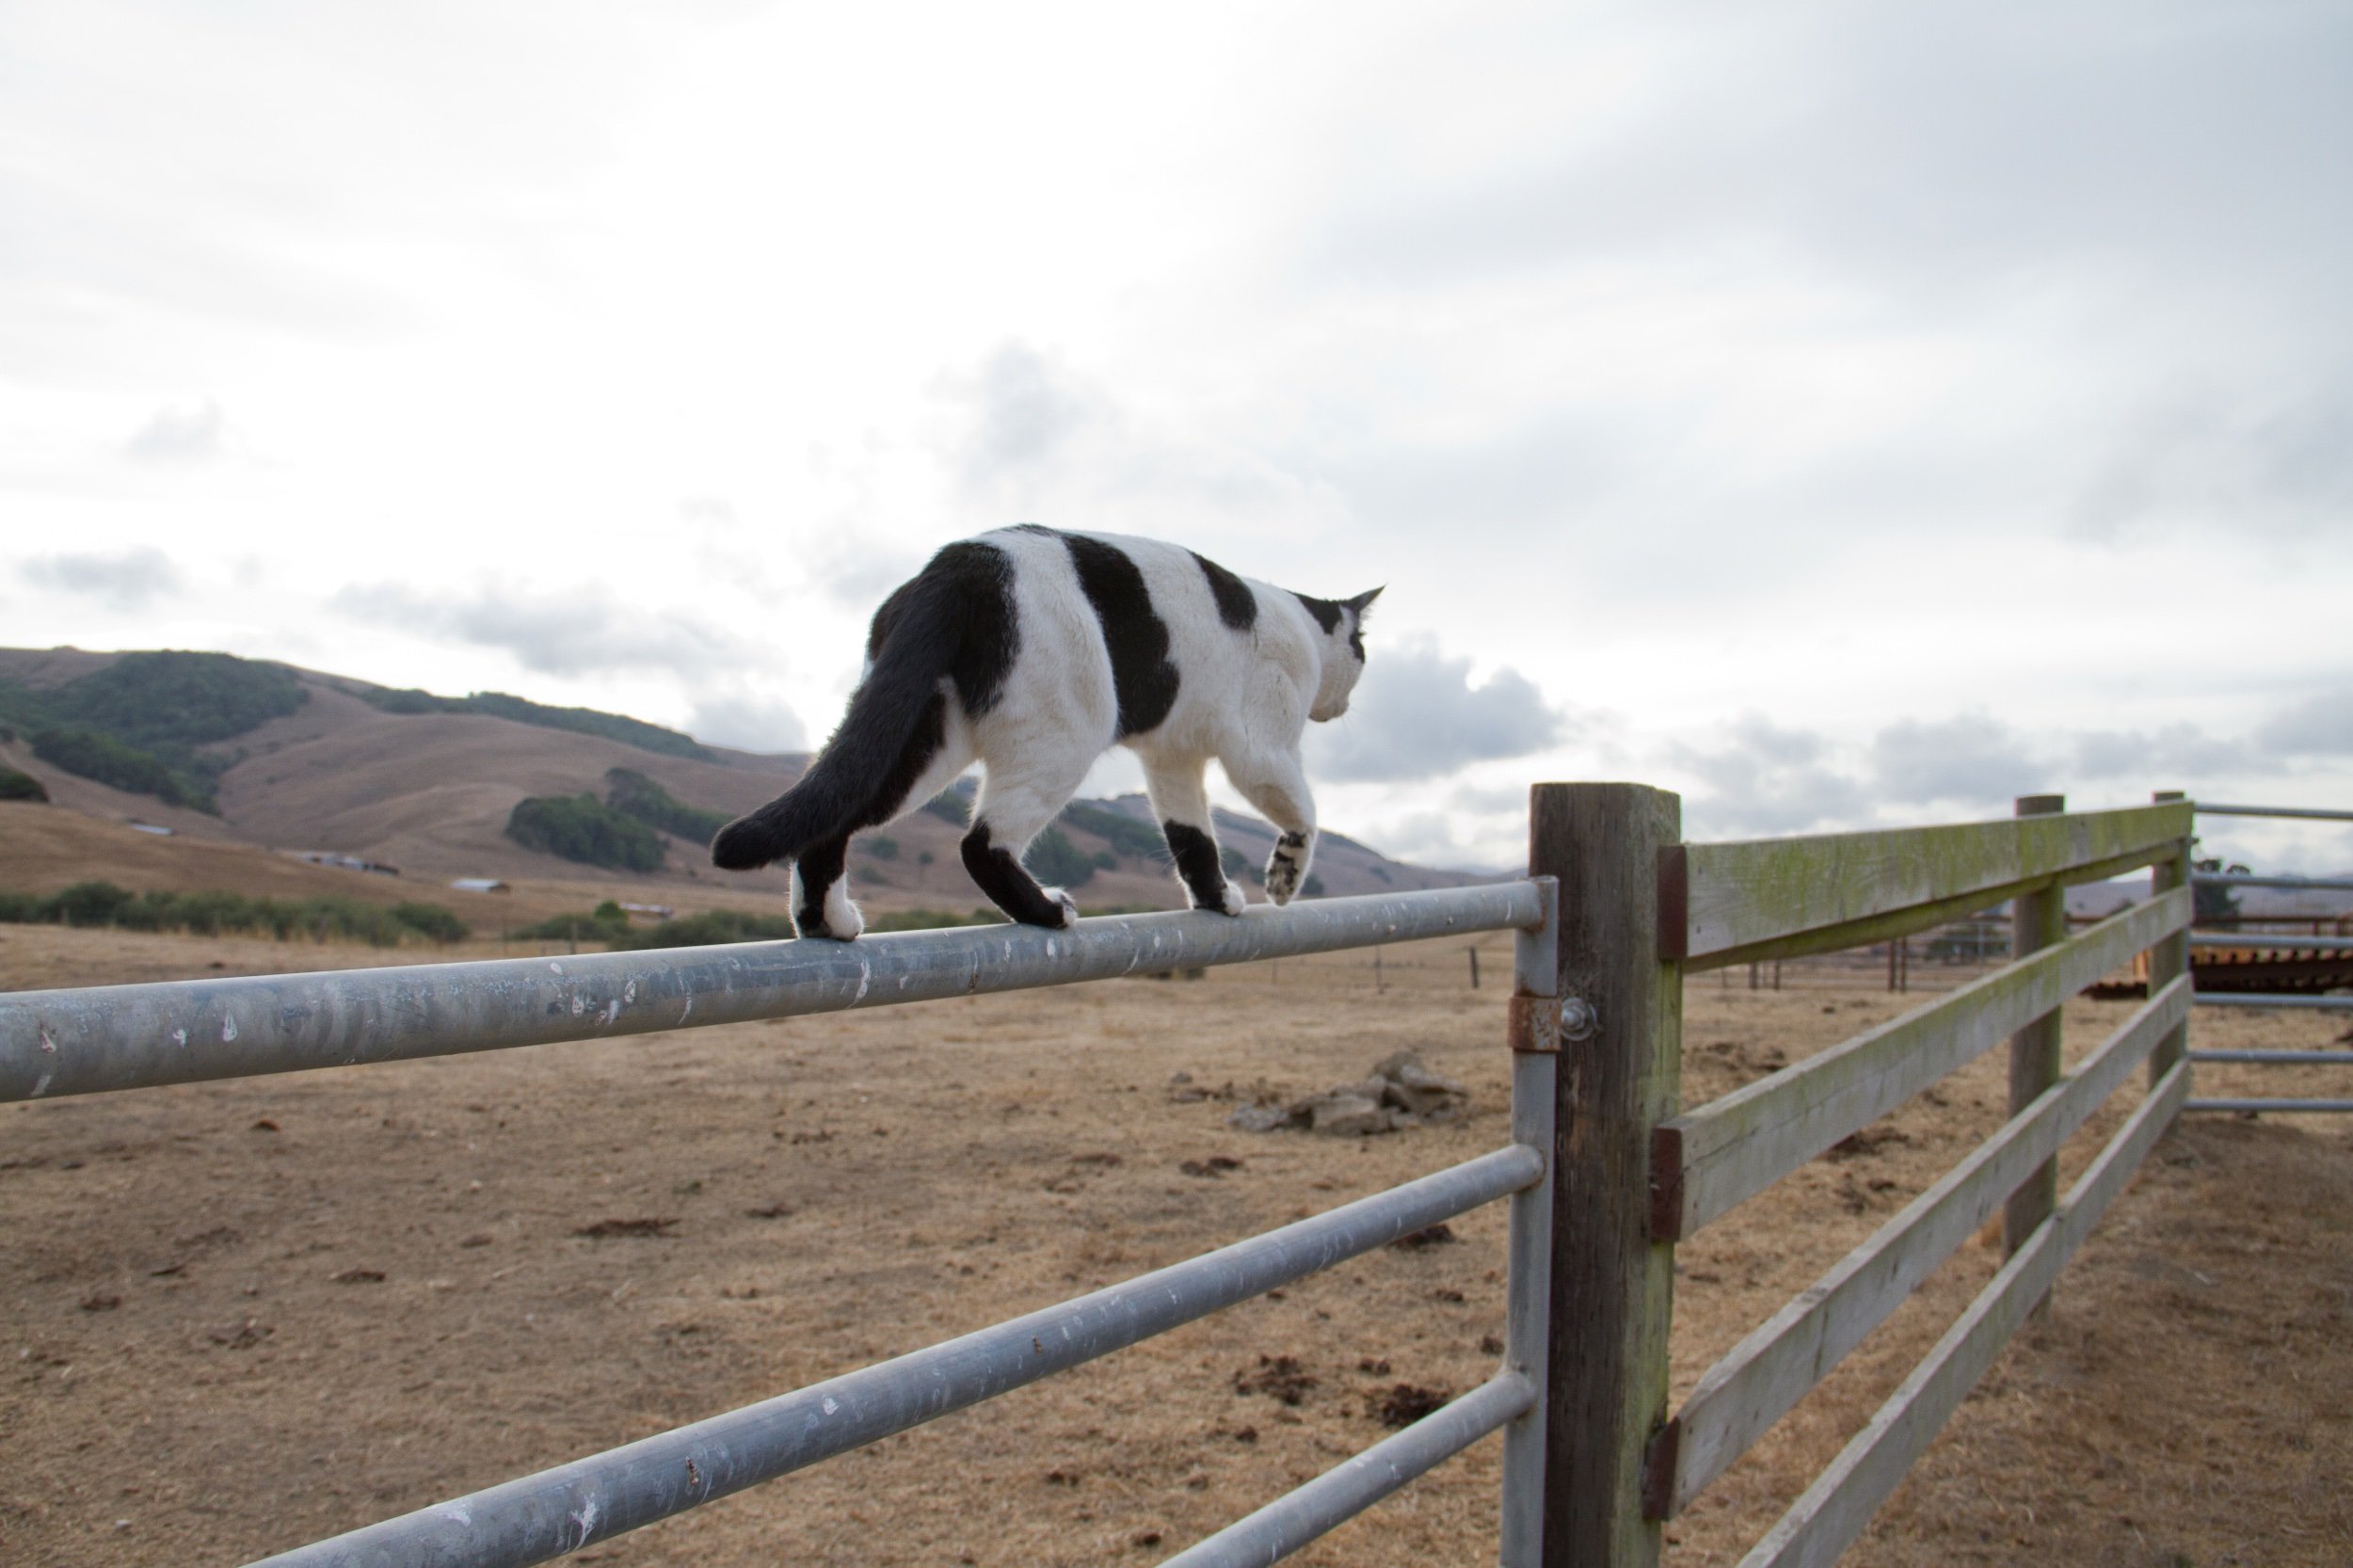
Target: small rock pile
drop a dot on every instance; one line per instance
(1402, 1093)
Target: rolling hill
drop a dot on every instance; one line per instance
(427, 785)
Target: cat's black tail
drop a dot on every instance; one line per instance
(926, 630)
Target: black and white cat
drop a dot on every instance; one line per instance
(1033, 652)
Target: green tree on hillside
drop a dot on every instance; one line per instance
(172, 700)
(631, 792)
(582, 721)
(88, 754)
(582, 827)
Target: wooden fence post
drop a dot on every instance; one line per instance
(1612, 1287)
(2035, 921)
(2168, 959)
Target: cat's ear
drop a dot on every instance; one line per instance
(1363, 601)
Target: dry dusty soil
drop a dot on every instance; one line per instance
(242, 1316)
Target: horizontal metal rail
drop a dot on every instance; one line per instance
(2299, 1108)
(561, 1510)
(2248, 879)
(82, 1042)
(2288, 1058)
(1337, 1495)
(2319, 813)
(2258, 999)
(2303, 944)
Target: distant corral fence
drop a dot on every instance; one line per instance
(2256, 970)
(1604, 1172)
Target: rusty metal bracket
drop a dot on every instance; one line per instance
(1533, 1024)
(1542, 1023)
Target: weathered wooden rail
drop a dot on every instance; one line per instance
(1604, 1172)
(1734, 902)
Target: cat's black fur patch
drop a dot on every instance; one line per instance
(1198, 863)
(1006, 882)
(1327, 614)
(1134, 633)
(956, 618)
(1236, 606)
(821, 866)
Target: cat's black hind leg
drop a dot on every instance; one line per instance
(821, 892)
(1181, 801)
(1014, 808)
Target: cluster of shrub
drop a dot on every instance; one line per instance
(216, 913)
(581, 721)
(619, 832)
(634, 794)
(149, 723)
(16, 784)
(584, 829)
(609, 923)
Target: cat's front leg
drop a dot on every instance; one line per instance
(1276, 785)
(1286, 867)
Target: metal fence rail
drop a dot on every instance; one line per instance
(2301, 884)
(1341, 1493)
(2206, 809)
(561, 1510)
(80, 1042)
(2314, 945)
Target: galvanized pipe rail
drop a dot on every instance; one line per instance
(80, 1042)
(2323, 1003)
(2310, 812)
(2300, 883)
(2293, 944)
(563, 1509)
(55, 1042)
(2264, 999)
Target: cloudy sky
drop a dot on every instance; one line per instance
(1841, 413)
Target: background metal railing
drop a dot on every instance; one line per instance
(2319, 973)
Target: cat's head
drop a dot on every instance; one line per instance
(1343, 654)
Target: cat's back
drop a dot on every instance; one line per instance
(1191, 646)
(1130, 581)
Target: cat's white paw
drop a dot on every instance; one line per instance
(1231, 900)
(1068, 907)
(1287, 867)
(840, 921)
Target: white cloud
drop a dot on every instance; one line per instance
(583, 631)
(179, 436)
(747, 722)
(1971, 759)
(128, 581)
(1416, 715)
(1762, 778)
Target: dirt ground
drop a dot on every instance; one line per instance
(243, 1316)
